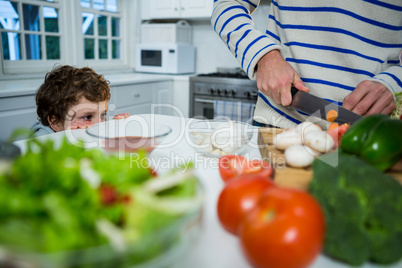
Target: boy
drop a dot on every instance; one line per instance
(71, 98)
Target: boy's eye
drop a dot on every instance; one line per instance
(103, 116)
(87, 117)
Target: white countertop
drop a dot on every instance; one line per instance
(10, 88)
(215, 247)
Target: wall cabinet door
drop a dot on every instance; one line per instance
(163, 8)
(181, 9)
(196, 8)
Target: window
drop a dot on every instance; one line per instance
(37, 34)
(101, 29)
(30, 31)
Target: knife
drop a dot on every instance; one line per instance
(319, 107)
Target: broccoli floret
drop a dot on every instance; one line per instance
(363, 210)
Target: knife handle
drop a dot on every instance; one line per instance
(293, 90)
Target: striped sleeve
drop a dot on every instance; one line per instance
(391, 78)
(231, 20)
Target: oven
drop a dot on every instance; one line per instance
(229, 87)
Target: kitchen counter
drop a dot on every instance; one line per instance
(215, 247)
(11, 88)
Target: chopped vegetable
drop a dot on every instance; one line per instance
(337, 133)
(333, 125)
(332, 115)
(363, 209)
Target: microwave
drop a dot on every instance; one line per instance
(167, 58)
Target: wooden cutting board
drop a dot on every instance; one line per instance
(287, 176)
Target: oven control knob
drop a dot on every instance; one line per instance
(251, 95)
(232, 92)
(212, 91)
(218, 91)
(225, 91)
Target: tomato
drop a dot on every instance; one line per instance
(337, 133)
(108, 195)
(285, 229)
(153, 172)
(231, 166)
(238, 197)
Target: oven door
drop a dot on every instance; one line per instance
(203, 108)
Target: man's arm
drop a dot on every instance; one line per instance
(258, 55)
(231, 20)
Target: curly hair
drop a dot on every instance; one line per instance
(62, 89)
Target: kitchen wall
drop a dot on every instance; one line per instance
(211, 51)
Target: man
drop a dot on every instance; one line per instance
(345, 51)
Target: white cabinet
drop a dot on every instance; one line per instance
(183, 9)
(163, 98)
(132, 99)
(142, 98)
(181, 96)
(16, 112)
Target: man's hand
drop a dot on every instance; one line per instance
(275, 77)
(370, 97)
(121, 116)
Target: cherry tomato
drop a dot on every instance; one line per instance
(108, 195)
(238, 197)
(285, 229)
(231, 166)
(153, 172)
(337, 133)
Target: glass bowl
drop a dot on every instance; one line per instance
(160, 248)
(215, 138)
(128, 135)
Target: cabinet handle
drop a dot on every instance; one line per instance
(137, 95)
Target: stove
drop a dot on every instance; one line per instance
(230, 85)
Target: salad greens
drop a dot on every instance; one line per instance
(70, 198)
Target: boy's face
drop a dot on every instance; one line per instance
(85, 113)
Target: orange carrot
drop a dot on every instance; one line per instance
(332, 115)
(333, 125)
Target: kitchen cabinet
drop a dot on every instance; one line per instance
(16, 112)
(163, 98)
(180, 9)
(138, 98)
(181, 96)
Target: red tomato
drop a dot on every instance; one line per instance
(153, 172)
(238, 197)
(337, 133)
(108, 195)
(285, 229)
(231, 166)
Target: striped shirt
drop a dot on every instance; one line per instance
(332, 44)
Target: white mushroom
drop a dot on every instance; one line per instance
(307, 127)
(298, 156)
(287, 138)
(319, 141)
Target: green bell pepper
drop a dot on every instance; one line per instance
(377, 139)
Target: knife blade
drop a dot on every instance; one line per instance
(319, 107)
